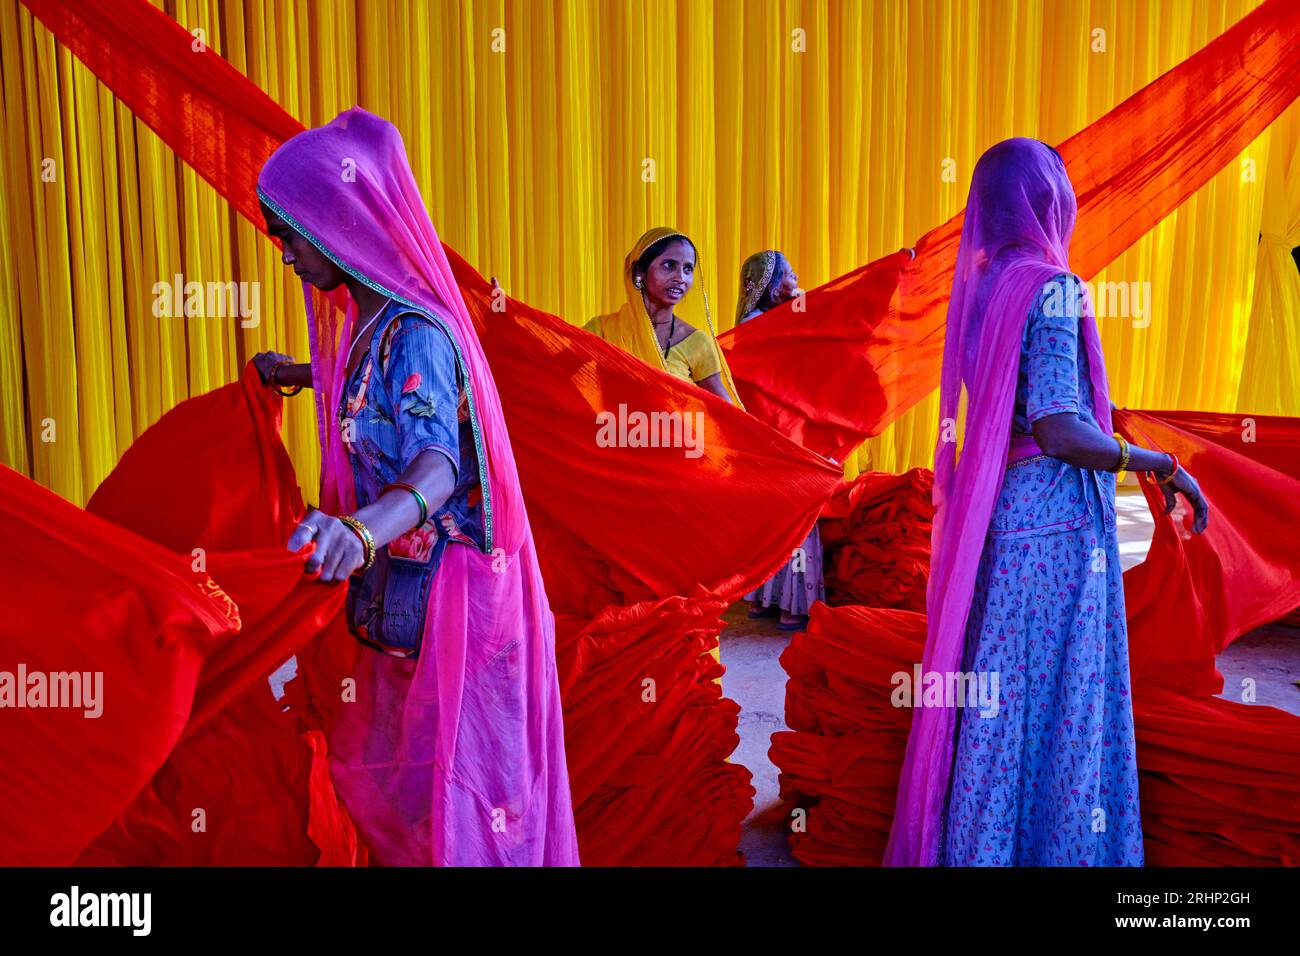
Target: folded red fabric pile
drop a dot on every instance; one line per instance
(875, 533)
(840, 760)
(648, 734)
(1220, 780)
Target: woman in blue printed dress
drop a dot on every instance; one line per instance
(1051, 780)
(1038, 768)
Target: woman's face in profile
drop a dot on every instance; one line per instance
(308, 262)
(785, 284)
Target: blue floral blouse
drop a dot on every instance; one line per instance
(1045, 495)
(406, 397)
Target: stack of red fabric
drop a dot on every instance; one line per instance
(876, 536)
(1220, 780)
(648, 734)
(840, 760)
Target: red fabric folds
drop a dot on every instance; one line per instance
(841, 758)
(612, 523)
(1195, 594)
(881, 325)
(876, 535)
(648, 733)
(1194, 119)
(212, 481)
(620, 540)
(91, 598)
(1220, 780)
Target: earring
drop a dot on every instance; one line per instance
(637, 282)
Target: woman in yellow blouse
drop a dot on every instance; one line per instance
(657, 274)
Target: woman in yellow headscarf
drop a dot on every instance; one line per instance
(658, 273)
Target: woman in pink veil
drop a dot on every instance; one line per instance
(1034, 764)
(447, 747)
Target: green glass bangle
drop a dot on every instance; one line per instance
(419, 499)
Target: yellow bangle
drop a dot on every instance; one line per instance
(1123, 453)
(367, 540)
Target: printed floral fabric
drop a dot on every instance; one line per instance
(404, 398)
(1050, 778)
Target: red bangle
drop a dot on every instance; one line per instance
(1170, 476)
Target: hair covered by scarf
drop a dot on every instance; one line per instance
(433, 745)
(755, 276)
(1015, 238)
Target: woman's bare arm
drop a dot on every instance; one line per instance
(1068, 438)
(339, 551)
(1074, 442)
(715, 385)
(289, 375)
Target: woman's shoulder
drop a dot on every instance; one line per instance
(1061, 295)
(686, 337)
(403, 322)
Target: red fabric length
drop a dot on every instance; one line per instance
(1195, 594)
(881, 326)
(91, 598)
(1192, 120)
(1220, 780)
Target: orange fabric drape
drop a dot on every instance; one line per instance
(884, 343)
(881, 327)
(553, 378)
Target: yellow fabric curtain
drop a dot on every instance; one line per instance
(1270, 376)
(547, 136)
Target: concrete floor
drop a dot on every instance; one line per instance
(754, 679)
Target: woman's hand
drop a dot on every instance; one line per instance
(265, 361)
(339, 551)
(1185, 483)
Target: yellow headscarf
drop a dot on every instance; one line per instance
(630, 327)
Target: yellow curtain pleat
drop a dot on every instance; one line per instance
(1270, 373)
(546, 137)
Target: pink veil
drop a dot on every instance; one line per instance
(471, 746)
(1015, 237)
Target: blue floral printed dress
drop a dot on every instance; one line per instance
(405, 397)
(1051, 780)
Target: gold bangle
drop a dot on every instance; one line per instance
(273, 379)
(367, 540)
(1123, 453)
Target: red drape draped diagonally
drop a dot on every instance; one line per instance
(881, 326)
